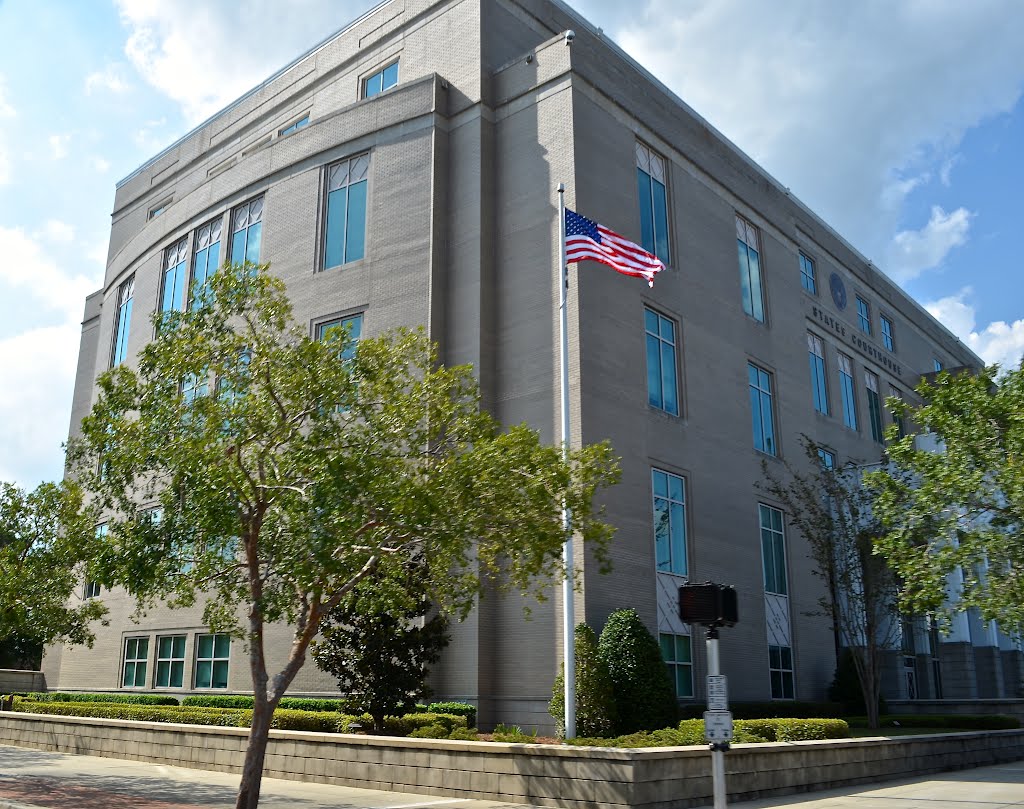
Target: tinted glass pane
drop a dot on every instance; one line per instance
(204, 669)
(666, 330)
(205, 646)
(777, 692)
(163, 674)
(252, 244)
(755, 410)
(769, 567)
(780, 567)
(390, 78)
(757, 299)
(179, 646)
(238, 247)
(177, 673)
(667, 648)
(129, 675)
(682, 649)
(334, 247)
(643, 180)
(768, 425)
(651, 320)
(222, 646)
(787, 657)
(373, 84)
(662, 550)
(748, 305)
(164, 646)
(776, 519)
(668, 379)
(140, 675)
(675, 487)
(678, 525)
(220, 674)
(752, 375)
(684, 681)
(355, 230)
(660, 221)
(660, 481)
(654, 392)
(774, 658)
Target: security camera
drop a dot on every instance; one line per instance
(570, 35)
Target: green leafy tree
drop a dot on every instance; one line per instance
(595, 697)
(47, 537)
(379, 643)
(644, 695)
(289, 469)
(961, 507)
(833, 510)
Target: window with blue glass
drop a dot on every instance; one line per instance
(381, 80)
(863, 315)
(295, 126)
(874, 406)
(773, 550)
(662, 384)
(887, 332)
(669, 522)
(936, 365)
(760, 383)
(827, 458)
(194, 386)
(206, 260)
(750, 269)
(122, 321)
(808, 276)
(247, 232)
(352, 324)
(651, 173)
(819, 388)
(345, 231)
(172, 291)
(847, 392)
(676, 652)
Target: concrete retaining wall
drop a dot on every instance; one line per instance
(1008, 707)
(580, 778)
(14, 680)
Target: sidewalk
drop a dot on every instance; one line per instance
(32, 778)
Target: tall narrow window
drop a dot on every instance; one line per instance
(936, 365)
(650, 177)
(213, 653)
(345, 232)
(819, 388)
(381, 80)
(247, 231)
(897, 419)
(92, 588)
(170, 661)
(669, 522)
(136, 657)
(863, 315)
(808, 277)
(827, 458)
(874, 406)
(846, 389)
(172, 293)
(122, 321)
(675, 651)
(205, 261)
(662, 387)
(773, 550)
(887, 333)
(750, 269)
(761, 409)
(780, 668)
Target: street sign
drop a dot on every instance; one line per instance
(718, 698)
(717, 726)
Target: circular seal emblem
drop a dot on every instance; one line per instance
(838, 288)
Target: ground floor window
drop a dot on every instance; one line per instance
(136, 656)
(675, 651)
(212, 653)
(780, 665)
(170, 661)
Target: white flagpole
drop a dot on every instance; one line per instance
(568, 605)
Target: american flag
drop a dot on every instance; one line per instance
(585, 239)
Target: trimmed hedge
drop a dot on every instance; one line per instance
(772, 710)
(454, 708)
(945, 721)
(691, 732)
(246, 701)
(127, 699)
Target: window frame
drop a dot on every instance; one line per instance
(662, 344)
(678, 668)
(819, 375)
(827, 458)
(212, 660)
(778, 666)
(769, 444)
(808, 274)
(863, 317)
(290, 129)
(233, 229)
(135, 661)
(655, 233)
(674, 542)
(755, 307)
(774, 561)
(886, 330)
(848, 392)
(874, 398)
(215, 225)
(170, 661)
(325, 240)
(122, 321)
(364, 82)
(178, 274)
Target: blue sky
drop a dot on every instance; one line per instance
(901, 124)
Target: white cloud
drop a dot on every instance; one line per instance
(204, 55)
(56, 231)
(27, 267)
(839, 103)
(6, 110)
(111, 78)
(99, 165)
(59, 146)
(999, 342)
(38, 369)
(914, 251)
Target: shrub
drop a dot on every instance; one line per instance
(128, 699)
(464, 734)
(770, 710)
(430, 732)
(246, 701)
(455, 708)
(595, 698)
(139, 713)
(513, 734)
(218, 701)
(303, 704)
(644, 694)
(691, 732)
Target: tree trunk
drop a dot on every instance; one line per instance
(255, 754)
